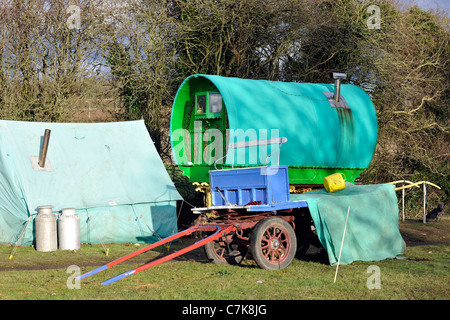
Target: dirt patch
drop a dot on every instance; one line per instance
(415, 232)
(83, 262)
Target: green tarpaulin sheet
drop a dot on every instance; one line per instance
(372, 232)
(110, 172)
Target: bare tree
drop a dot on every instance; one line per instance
(47, 50)
(243, 38)
(141, 55)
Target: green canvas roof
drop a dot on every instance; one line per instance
(318, 135)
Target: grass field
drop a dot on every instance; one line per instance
(422, 273)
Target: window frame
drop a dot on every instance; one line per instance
(207, 113)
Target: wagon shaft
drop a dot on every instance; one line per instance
(219, 231)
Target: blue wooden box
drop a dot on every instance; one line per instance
(242, 186)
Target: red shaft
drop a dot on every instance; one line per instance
(219, 233)
(154, 245)
(196, 245)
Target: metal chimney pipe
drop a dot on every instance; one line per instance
(337, 90)
(43, 154)
(337, 85)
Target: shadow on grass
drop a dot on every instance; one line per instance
(314, 254)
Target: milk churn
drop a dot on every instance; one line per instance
(46, 233)
(69, 230)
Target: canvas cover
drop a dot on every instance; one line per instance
(110, 172)
(318, 135)
(372, 232)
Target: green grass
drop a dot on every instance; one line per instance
(422, 274)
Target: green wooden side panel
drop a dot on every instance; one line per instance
(297, 175)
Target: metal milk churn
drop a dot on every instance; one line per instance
(46, 233)
(69, 230)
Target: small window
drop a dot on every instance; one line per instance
(208, 105)
(201, 104)
(215, 103)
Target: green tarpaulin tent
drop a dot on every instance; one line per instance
(110, 172)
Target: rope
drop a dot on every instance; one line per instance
(13, 252)
(99, 239)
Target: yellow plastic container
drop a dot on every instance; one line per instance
(334, 182)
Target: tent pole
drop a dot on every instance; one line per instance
(342, 244)
(424, 202)
(403, 203)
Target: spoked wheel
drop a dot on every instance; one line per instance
(218, 252)
(273, 243)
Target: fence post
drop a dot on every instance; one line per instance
(417, 184)
(424, 202)
(403, 202)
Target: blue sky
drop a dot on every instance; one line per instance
(431, 4)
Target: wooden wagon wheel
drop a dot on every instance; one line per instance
(220, 253)
(273, 243)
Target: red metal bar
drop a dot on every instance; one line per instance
(156, 244)
(145, 249)
(196, 245)
(218, 234)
